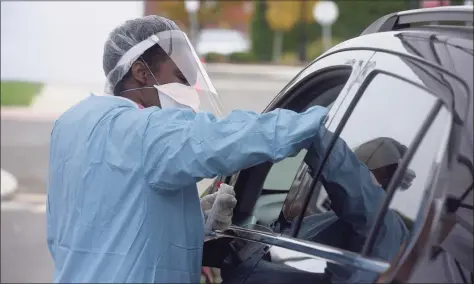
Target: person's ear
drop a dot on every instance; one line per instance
(140, 72)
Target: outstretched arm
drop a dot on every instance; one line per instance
(180, 148)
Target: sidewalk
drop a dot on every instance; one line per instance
(51, 102)
(9, 184)
(54, 99)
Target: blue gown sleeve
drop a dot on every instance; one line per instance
(180, 148)
(356, 200)
(50, 232)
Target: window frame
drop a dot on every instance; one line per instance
(356, 85)
(255, 177)
(407, 158)
(288, 98)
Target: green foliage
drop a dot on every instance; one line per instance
(261, 34)
(14, 93)
(289, 58)
(215, 58)
(242, 57)
(354, 17)
(315, 48)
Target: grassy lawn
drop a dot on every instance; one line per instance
(15, 93)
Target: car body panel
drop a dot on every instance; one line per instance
(429, 59)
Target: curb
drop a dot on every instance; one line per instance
(9, 185)
(27, 114)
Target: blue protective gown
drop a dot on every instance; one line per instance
(123, 204)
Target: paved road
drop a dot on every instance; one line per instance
(24, 152)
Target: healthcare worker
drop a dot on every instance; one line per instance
(122, 202)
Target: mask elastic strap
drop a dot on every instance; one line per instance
(149, 70)
(134, 89)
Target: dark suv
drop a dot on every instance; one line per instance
(401, 96)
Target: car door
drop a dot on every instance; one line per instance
(392, 102)
(324, 82)
(391, 88)
(262, 190)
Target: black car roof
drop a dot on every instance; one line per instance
(404, 19)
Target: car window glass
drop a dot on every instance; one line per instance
(383, 124)
(418, 175)
(282, 174)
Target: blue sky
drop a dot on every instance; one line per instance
(59, 42)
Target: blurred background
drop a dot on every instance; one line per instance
(51, 58)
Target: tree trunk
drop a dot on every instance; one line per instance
(277, 50)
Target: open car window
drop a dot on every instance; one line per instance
(280, 179)
(281, 175)
(384, 123)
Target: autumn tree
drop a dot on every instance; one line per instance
(218, 13)
(281, 16)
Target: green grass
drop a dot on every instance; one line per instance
(15, 93)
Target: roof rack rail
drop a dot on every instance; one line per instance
(402, 19)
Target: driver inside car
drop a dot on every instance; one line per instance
(341, 227)
(354, 183)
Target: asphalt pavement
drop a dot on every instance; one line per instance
(24, 153)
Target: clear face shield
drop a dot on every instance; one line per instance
(193, 88)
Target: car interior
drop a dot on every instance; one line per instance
(262, 190)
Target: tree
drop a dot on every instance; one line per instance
(282, 17)
(261, 34)
(308, 10)
(218, 13)
(170, 9)
(233, 13)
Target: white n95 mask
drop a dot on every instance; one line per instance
(178, 95)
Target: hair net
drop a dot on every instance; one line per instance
(123, 38)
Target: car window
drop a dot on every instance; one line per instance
(260, 195)
(282, 174)
(384, 123)
(280, 177)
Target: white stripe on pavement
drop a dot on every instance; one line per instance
(31, 202)
(9, 206)
(36, 202)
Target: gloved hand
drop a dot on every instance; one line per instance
(225, 201)
(206, 202)
(406, 181)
